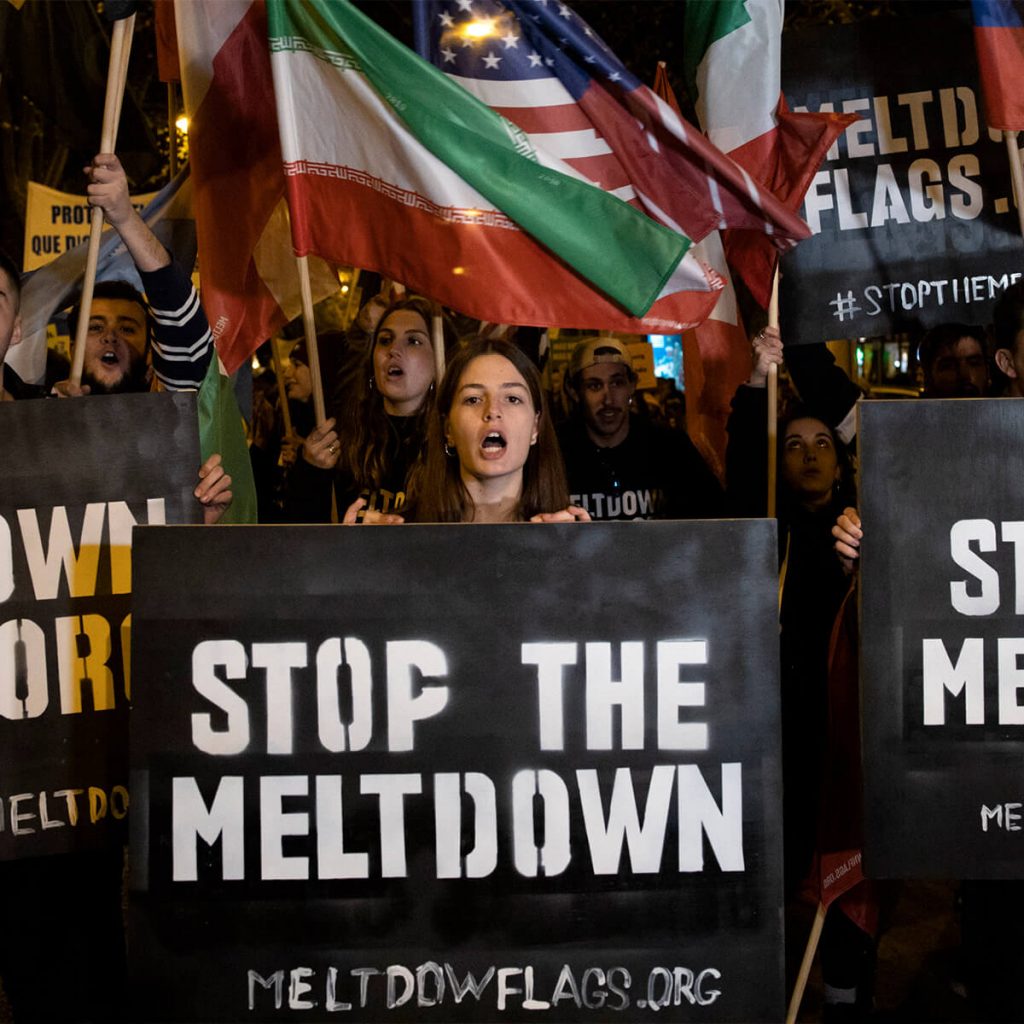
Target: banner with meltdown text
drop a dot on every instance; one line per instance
(77, 476)
(913, 211)
(457, 773)
(941, 641)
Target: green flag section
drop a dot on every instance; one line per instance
(221, 430)
(707, 22)
(424, 138)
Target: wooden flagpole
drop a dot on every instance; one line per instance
(172, 129)
(773, 400)
(805, 965)
(309, 326)
(437, 341)
(1016, 173)
(117, 74)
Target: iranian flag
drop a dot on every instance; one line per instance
(250, 284)
(732, 66)
(393, 167)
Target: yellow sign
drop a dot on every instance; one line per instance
(642, 354)
(56, 222)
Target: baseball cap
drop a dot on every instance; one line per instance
(590, 351)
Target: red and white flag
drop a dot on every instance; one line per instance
(250, 284)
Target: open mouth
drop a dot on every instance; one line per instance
(494, 441)
(109, 358)
(395, 371)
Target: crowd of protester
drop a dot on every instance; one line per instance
(433, 425)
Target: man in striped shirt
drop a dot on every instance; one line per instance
(130, 344)
(133, 345)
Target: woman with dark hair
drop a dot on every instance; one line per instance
(381, 434)
(492, 454)
(815, 482)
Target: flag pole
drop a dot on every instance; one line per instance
(1016, 173)
(282, 391)
(172, 131)
(117, 74)
(309, 326)
(437, 341)
(773, 399)
(805, 965)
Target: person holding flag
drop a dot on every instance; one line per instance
(135, 346)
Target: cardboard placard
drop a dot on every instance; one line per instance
(913, 209)
(443, 773)
(77, 475)
(941, 638)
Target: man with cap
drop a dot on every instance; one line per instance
(621, 465)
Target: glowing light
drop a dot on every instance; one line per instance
(182, 124)
(480, 29)
(458, 271)
(344, 289)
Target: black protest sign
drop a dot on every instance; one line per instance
(77, 475)
(913, 210)
(443, 773)
(942, 638)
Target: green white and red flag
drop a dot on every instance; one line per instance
(732, 67)
(250, 284)
(393, 167)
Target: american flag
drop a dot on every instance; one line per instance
(544, 69)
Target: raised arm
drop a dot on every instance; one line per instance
(182, 341)
(108, 189)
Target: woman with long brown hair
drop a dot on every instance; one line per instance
(376, 441)
(492, 454)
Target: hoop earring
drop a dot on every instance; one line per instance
(372, 384)
(449, 450)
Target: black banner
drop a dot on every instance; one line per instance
(457, 773)
(913, 210)
(942, 643)
(77, 476)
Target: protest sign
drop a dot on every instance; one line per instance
(451, 773)
(913, 209)
(56, 222)
(941, 638)
(77, 476)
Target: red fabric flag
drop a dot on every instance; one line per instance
(166, 41)
(999, 42)
(250, 284)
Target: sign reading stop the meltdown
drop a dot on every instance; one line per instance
(457, 773)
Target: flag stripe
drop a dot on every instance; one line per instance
(1001, 65)
(997, 14)
(538, 92)
(555, 118)
(570, 145)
